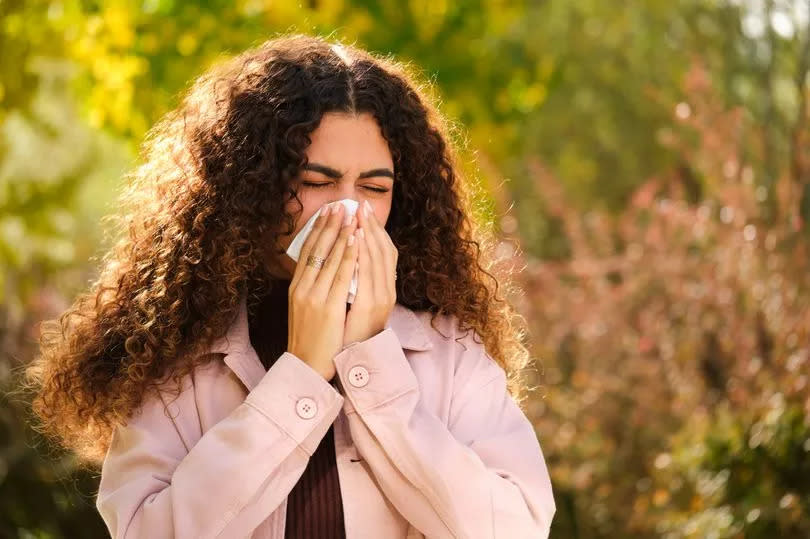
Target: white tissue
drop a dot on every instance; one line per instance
(294, 250)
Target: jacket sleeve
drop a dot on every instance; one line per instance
(481, 475)
(236, 473)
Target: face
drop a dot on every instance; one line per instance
(348, 158)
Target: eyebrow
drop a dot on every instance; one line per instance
(332, 173)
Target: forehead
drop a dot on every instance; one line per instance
(347, 142)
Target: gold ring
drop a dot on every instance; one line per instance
(315, 261)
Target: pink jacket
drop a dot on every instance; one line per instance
(427, 439)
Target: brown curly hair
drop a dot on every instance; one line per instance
(197, 214)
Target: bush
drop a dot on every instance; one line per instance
(674, 338)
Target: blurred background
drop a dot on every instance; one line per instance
(646, 165)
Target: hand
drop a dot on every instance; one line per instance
(376, 291)
(317, 296)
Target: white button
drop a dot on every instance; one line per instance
(306, 407)
(358, 376)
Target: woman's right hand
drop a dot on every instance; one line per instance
(317, 297)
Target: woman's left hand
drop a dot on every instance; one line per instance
(376, 291)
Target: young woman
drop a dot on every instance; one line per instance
(228, 391)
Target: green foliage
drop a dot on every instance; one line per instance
(740, 471)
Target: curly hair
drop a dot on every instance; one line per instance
(196, 217)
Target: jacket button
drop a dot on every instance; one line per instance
(306, 407)
(358, 376)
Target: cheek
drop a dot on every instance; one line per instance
(381, 211)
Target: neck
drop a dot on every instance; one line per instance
(268, 322)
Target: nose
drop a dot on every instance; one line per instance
(349, 190)
(353, 192)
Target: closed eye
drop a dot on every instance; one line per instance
(319, 185)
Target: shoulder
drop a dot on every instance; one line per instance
(189, 404)
(463, 348)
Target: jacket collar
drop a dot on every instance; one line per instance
(242, 359)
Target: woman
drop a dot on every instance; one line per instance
(228, 391)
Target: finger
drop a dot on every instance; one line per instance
(323, 282)
(391, 273)
(317, 226)
(385, 244)
(339, 292)
(322, 246)
(388, 251)
(365, 282)
(377, 260)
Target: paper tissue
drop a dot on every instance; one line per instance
(294, 250)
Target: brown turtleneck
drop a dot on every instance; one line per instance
(314, 505)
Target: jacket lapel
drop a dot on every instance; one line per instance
(241, 357)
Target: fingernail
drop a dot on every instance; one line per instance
(335, 208)
(351, 239)
(360, 231)
(347, 218)
(366, 207)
